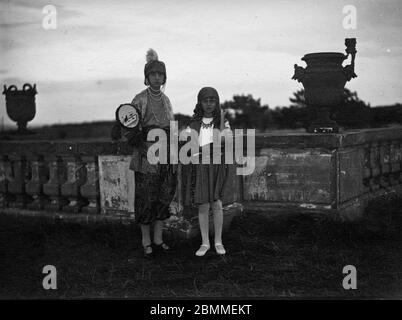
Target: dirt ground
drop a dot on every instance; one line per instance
(297, 257)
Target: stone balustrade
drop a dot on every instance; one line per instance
(53, 176)
(64, 180)
(334, 174)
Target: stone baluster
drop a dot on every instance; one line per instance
(399, 156)
(397, 149)
(16, 183)
(76, 176)
(179, 185)
(5, 175)
(90, 190)
(39, 177)
(178, 198)
(384, 164)
(366, 168)
(395, 165)
(57, 176)
(374, 167)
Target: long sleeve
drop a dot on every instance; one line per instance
(115, 133)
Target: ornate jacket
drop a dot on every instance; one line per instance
(139, 161)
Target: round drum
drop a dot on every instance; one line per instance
(128, 116)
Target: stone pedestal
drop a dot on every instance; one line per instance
(117, 185)
(335, 175)
(323, 122)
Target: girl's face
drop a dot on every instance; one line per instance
(156, 79)
(208, 106)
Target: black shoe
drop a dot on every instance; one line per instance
(148, 252)
(163, 247)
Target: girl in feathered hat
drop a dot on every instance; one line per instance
(204, 184)
(154, 183)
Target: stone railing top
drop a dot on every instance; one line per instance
(330, 141)
(263, 140)
(65, 147)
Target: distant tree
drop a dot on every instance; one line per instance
(384, 115)
(352, 112)
(298, 99)
(348, 97)
(297, 115)
(62, 134)
(183, 119)
(243, 111)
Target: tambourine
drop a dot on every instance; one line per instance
(128, 116)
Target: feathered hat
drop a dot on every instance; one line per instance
(153, 65)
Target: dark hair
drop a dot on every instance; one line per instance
(199, 113)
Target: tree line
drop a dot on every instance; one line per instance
(244, 111)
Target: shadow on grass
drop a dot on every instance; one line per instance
(297, 257)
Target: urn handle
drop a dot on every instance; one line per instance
(30, 88)
(349, 70)
(26, 85)
(299, 73)
(10, 88)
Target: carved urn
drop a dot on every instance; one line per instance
(324, 81)
(20, 105)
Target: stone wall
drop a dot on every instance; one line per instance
(331, 174)
(85, 181)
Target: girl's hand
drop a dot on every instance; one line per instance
(115, 134)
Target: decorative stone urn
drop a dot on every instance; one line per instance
(20, 105)
(324, 81)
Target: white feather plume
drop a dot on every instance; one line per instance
(151, 55)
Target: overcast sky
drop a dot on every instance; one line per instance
(94, 60)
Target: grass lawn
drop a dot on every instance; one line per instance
(296, 257)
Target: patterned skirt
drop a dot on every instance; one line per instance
(203, 183)
(154, 193)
